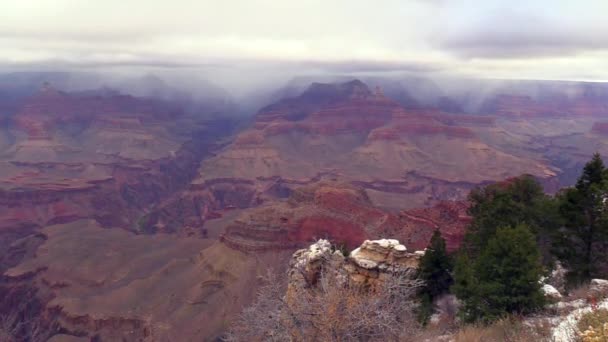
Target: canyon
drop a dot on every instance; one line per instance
(129, 217)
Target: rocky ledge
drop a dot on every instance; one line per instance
(368, 265)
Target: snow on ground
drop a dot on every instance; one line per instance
(566, 330)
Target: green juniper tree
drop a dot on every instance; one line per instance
(518, 200)
(435, 270)
(582, 242)
(503, 279)
(521, 204)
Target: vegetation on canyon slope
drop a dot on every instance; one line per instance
(517, 234)
(516, 228)
(503, 278)
(583, 238)
(436, 273)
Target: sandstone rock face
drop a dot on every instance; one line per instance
(309, 263)
(307, 266)
(375, 260)
(368, 265)
(380, 254)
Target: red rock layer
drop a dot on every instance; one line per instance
(401, 130)
(450, 217)
(321, 211)
(344, 215)
(352, 114)
(470, 120)
(130, 188)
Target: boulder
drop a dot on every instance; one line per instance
(375, 260)
(551, 292)
(598, 288)
(378, 253)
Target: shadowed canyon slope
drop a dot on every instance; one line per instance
(101, 154)
(115, 285)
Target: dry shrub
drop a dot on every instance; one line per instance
(331, 311)
(593, 325)
(262, 321)
(595, 334)
(510, 329)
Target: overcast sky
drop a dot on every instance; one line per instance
(534, 39)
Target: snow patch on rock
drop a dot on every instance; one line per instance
(315, 252)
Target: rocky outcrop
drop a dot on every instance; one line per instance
(367, 266)
(375, 260)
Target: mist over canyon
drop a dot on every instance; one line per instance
(135, 206)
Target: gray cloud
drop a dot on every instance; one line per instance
(151, 61)
(512, 34)
(354, 66)
(491, 38)
(73, 36)
(101, 64)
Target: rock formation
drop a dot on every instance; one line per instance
(375, 260)
(413, 157)
(369, 265)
